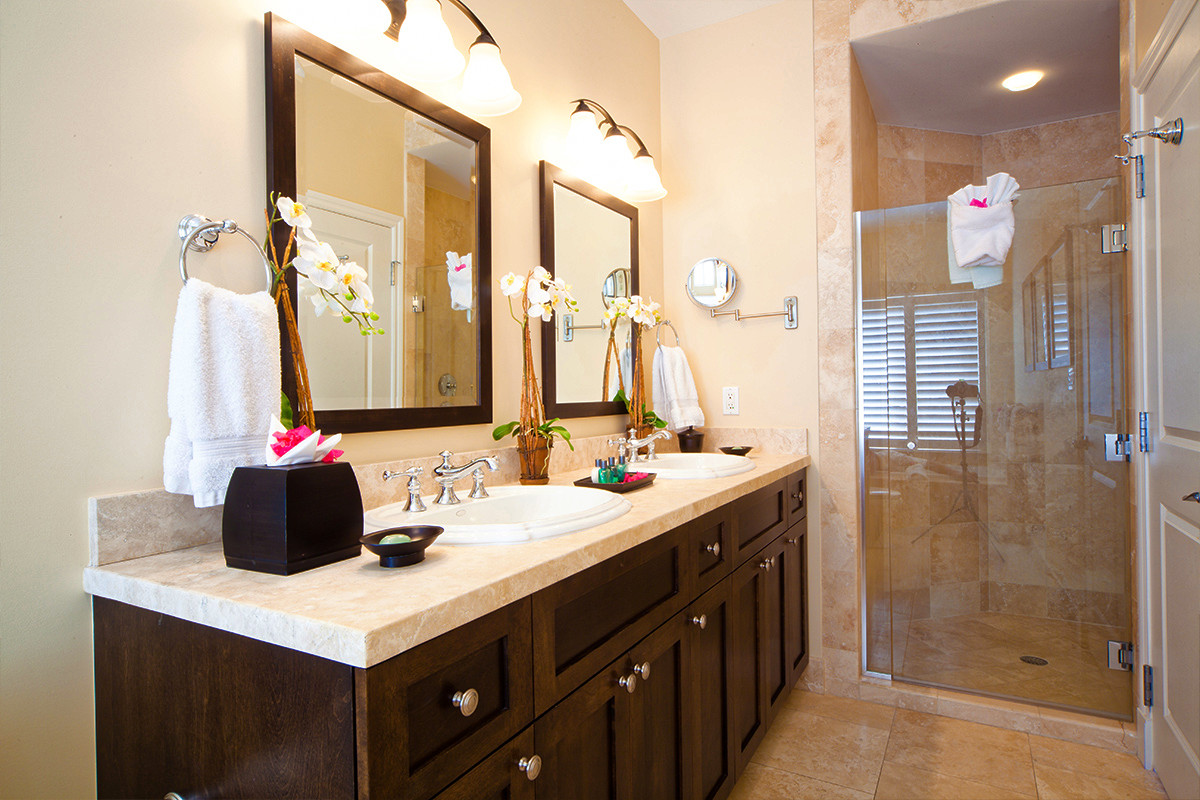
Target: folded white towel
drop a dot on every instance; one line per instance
(461, 277)
(979, 237)
(675, 396)
(222, 388)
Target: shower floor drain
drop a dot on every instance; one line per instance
(1037, 662)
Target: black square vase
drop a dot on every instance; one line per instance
(285, 520)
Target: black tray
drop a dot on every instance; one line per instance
(619, 488)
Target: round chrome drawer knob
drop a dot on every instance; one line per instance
(628, 683)
(466, 702)
(798, 497)
(643, 670)
(172, 796)
(532, 767)
(794, 540)
(715, 549)
(701, 621)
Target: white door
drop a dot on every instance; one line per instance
(347, 370)
(1168, 222)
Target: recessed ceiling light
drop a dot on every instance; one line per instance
(1022, 80)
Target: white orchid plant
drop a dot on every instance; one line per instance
(640, 313)
(328, 282)
(540, 295)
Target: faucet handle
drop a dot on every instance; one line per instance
(411, 472)
(445, 465)
(477, 490)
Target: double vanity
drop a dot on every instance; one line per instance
(643, 656)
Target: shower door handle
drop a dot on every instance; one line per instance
(1193, 497)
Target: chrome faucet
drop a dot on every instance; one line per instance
(414, 502)
(620, 444)
(633, 443)
(446, 475)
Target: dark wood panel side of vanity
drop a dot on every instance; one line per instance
(206, 713)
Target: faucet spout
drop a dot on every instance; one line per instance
(633, 443)
(445, 474)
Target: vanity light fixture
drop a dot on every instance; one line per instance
(427, 53)
(604, 158)
(1021, 81)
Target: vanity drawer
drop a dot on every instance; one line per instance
(710, 548)
(427, 716)
(757, 519)
(582, 623)
(797, 498)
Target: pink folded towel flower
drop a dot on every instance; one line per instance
(980, 203)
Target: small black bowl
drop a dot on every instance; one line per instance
(739, 450)
(405, 553)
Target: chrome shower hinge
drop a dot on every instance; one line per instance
(1113, 239)
(1120, 655)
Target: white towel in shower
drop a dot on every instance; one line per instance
(222, 388)
(979, 237)
(675, 397)
(461, 277)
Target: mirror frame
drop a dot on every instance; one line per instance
(285, 41)
(687, 283)
(550, 176)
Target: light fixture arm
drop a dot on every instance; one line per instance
(594, 106)
(399, 10)
(642, 151)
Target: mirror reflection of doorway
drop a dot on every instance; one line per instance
(356, 371)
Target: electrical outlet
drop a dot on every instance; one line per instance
(729, 400)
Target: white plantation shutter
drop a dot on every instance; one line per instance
(913, 347)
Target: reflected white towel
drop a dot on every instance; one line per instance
(461, 277)
(223, 387)
(675, 396)
(979, 237)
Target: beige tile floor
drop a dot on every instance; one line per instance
(821, 746)
(981, 652)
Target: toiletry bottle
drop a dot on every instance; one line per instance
(622, 468)
(596, 471)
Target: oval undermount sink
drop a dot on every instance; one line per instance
(510, 514)
(695, 465)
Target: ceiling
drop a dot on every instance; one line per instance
(945, 74)
(669, 17)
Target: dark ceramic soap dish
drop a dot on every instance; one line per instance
(404, 553)
(739, 450)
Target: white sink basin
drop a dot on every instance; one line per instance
(695, 465)
(510, 514)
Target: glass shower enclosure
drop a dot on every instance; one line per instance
(997, 535)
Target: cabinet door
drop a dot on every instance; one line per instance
(710, 548)
(797, 503)
(660, 713)
(795, 575)
(747, 587)
(584, 743)
(775, 561)
(507, 774)
(711, 668)
(758, 518)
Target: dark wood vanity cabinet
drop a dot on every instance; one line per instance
(650, 676)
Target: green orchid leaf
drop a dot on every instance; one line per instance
(504, 430)
(285, 411)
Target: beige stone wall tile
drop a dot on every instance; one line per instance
(831, 23)
(998, 713)
(953, 599)
(1056, 153)
(942, 180)
(954, 148)
(901, 182)
(839, 624)
(902, 143)
(868, 17)
(954, 554)
(858, 712)
(1082, 729)
(136, 524)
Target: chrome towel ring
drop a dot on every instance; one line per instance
(200, 234)
(658, 332)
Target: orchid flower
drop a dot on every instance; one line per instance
(511, 284)
(293, 213)
(319, 263)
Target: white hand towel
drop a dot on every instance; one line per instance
(461, 277)
(223, 387)
(675, 397)
(979, 237)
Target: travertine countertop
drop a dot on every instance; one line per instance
(360, 614)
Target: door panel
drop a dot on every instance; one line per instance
(1169, 371)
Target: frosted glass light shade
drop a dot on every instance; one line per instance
(617, 161)
(487, 89)
(425, 49)
(1022, 80)
(644, 183)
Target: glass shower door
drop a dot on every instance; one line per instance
(996, 536)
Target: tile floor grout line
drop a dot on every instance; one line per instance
(882, 761)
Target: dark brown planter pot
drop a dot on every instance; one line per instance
(534, 454)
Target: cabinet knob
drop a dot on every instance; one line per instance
(628, 683)
(701, 621)
(172, 796)
(793, 540)
(643, 670)
(715, 549)
(466, 702)
(798, 497)
(766, 564)
(532, 766)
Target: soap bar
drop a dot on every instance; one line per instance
(395, 538)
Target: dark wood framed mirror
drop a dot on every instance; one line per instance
(397, 179)
(587, 234)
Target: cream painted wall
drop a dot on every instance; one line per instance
(738, 142)
(116, 124)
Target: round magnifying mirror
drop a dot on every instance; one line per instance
(711, 283)
(615, 285)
